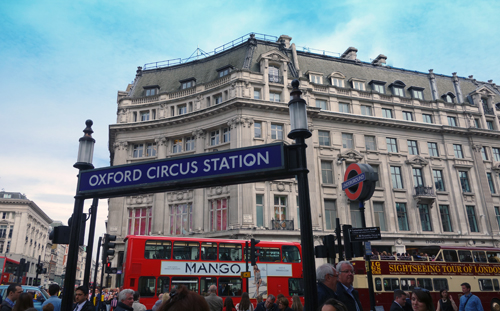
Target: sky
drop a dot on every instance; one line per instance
(63, 62)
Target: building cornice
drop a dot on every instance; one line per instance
(29, 203)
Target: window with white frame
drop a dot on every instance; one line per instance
(326, 172)
(378, 210)
(151, 91)
(491, 183)
(339, 82)
(257, 94)
(370, 143)
(452, 121)
(257, 130)
(433, 149)
(366, 110)
(226, 135)
(177, 145)
(427, 118)
(274, 74)
(189, 143)
(417, 93)
(187, 84)
(280, 207)
(496, 153)
(438, 180)
(181, 218)
(139, 221)
(277, 131)
(330, 214)
(181, 109)
(418, 178)
(397, 178)
(392, 144)
(347, 140)
(412, 147)
(218, 214)
(489, 124)
(464, 181)
(315, 78)
(457, 149)
(448, 98)
(344, 107)
(378, 87)
(484, 155)
(144, 150)
(214, 137)
(274, 97)
(398, 91)
(217, 99)
(387, 113)
(407, 115)
(324, 138)
(320, 103)
(144, 115)
(358, 85)
(224, 72)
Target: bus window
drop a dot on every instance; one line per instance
(378, 284)
(493, 257)
(186, 250)
(424, 283)
(296, 287)
(230, 287)
(147, 286)
(391, 284)
(208, 251)
(495, 284)
(450, 255)
(163, 285)
(157, 250)
(190, 283)
(479, 256)
(465, 256)
(205, 284)
(407, 284)
(439, 257)
(485, 284)
(290, 253)
(229, 252)
(440, 284)
(269, 254)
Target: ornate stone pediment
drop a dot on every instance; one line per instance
(417, 161)
(483, 90)
(274, 55)
(244, 121)
(350, 155)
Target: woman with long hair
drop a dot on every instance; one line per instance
(333, 305)
(257, 280)
(421, 300)
(446, 302)
(24, 302)
(182, 299)
(296, 303)
(245, 304)
(229, 305)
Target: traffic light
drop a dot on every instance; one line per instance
(107, 246)
(108, 267)
(327, 250)
(351, 249)
(21, 268)
(39, 268)
(254, 251)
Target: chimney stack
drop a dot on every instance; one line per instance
(350, 53)
(380, 60)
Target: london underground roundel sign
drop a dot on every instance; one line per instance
(359, 182)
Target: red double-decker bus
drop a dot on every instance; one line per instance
(154, 265)
(438, 268)
(8, 269)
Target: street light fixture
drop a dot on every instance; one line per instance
(84, 162)
(298, 120)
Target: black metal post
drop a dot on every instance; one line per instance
(90, 243)
(338, 232)
(102, 273)
(246, 261)
(368, 261)
(37, 267)
(97, 265)
(72, 261)
(306, 232)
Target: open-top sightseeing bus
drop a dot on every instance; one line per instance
(9, 269)
(439, 268)
(154, 265)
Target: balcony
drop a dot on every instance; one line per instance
(281, 224)
(423, 192)
(275, 79)
(490, 111)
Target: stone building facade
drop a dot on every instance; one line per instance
(24, 231)
(434, 140)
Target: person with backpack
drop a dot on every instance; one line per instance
(469, 301)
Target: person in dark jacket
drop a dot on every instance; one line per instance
(326, 275)
(125, 300)
(267, 305)
(345, 292)
(82, 302)
(13, 292)
(399, 300)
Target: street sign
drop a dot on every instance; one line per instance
(365, 234)
(242, 165)
(368, 248)
(359, 182)
(245, 275)
(354, 181)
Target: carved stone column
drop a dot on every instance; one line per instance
(161, 146)
(121, 152)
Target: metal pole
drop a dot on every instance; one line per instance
(90, 243)
(38, 265)
(368, 261)
(102, 273)
(72, 260)
(246, 261)
(97, 265)
(306, 232)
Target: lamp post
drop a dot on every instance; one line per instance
(298, 118)
(84, 162)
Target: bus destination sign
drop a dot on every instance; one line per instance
(228, 167)
(433, 268)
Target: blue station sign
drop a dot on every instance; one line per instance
(200, 170)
